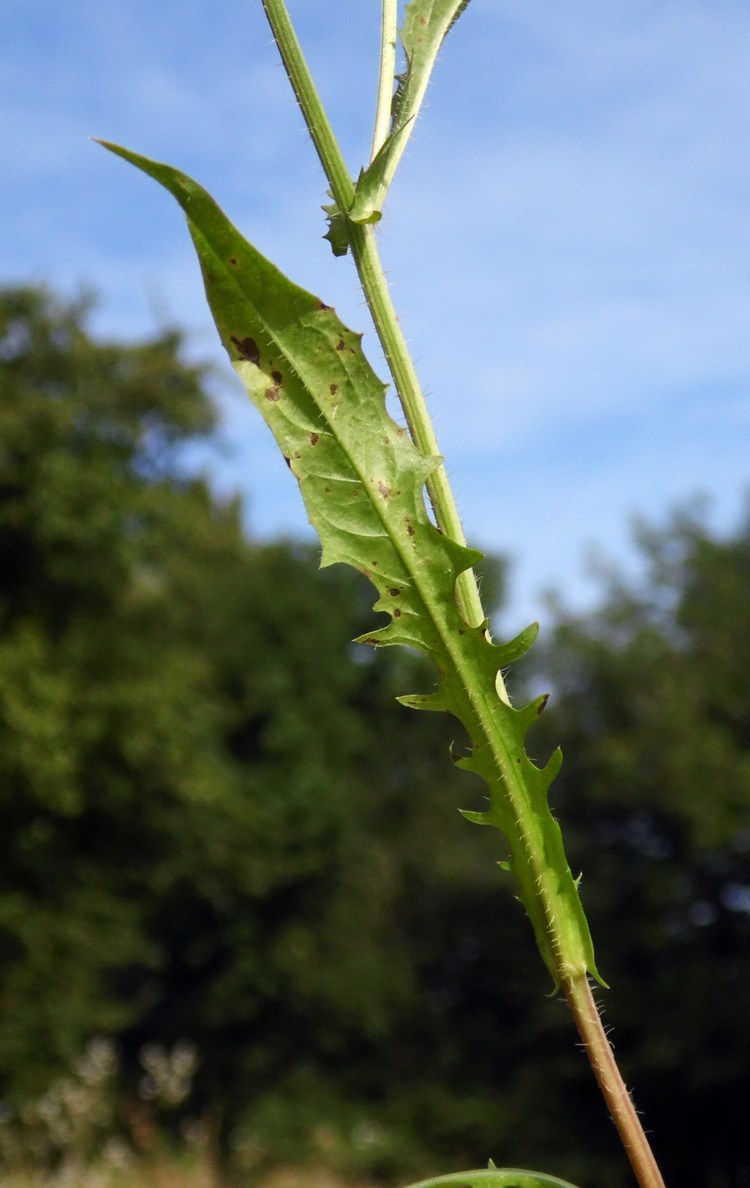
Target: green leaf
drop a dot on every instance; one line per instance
(363, 482)
(495, 1177)
(426, 23)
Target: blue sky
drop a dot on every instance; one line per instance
(568, 238)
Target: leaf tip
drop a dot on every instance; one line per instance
(475, 818)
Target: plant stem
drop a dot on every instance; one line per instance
(388, 37)
(601, 1057)
(372, 277)
(375, 288)
(364, 250)
(306, 94)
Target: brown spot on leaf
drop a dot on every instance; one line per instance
(247, 348)
(333, 389)
(394, 593)
(397, 613)
(314, 438)
(233, 261)
(273, 393)
(384, 489)
(340, 345)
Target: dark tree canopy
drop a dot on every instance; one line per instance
(212, 808)
(219, 826)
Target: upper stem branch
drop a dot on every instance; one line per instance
(388, 37)
(375, 288)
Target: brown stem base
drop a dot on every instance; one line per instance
(615, 1093)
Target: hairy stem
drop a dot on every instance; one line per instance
(372, 278)
(601, 1057)
(306, 94)
(364, 250)
(388, 37)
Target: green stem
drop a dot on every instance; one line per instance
(372, 277)
(388, 37)
(364, 250)
(375, 288)
(318, 124)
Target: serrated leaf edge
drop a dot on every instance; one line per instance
(468, 662)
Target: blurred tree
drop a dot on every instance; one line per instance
(88, 696)
(176, 739)
(219, 826)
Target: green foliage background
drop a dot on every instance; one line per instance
(218, 825)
